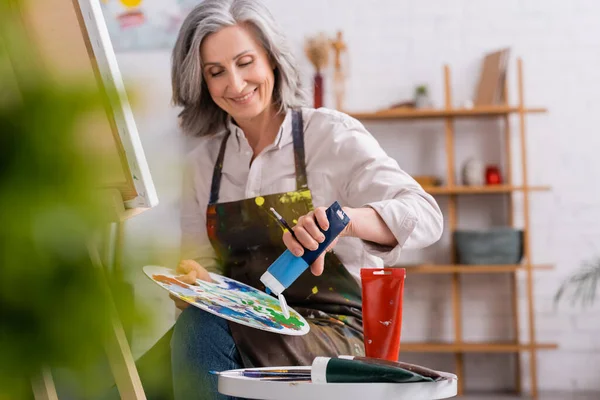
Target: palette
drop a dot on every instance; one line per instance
(232, 300)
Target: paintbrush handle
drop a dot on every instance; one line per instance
(284, 224)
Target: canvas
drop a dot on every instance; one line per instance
(231, 300)
(141, 25)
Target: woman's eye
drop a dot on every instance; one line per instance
(245, 63)
(214, 74)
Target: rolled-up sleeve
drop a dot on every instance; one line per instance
(368, 177)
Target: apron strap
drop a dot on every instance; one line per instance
(215, 186)
(299, 159)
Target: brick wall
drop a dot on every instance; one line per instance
(395, 45)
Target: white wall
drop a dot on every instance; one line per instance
(395, 45)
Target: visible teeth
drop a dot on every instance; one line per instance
(246, 97)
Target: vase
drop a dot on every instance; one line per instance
(422, 101)
(473, 173)
(318, 90)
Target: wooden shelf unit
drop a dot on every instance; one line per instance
(412, 113)
(466, 347)
(470, 269)
(441, 190)
(448, 115)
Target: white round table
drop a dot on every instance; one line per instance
(233, 384)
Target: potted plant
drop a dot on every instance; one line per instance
(422, 97)
(582, 284)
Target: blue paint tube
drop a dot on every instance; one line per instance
(287, 268)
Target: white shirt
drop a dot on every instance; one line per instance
(344, 162)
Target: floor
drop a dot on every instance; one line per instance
(542, 396)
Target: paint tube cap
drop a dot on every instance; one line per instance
(272, 283)
(318, 370)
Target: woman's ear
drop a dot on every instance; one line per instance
(272, 62)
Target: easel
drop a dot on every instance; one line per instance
(118, 351)
(73, 41)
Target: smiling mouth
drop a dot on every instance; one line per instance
(245, 98)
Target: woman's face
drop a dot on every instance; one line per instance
(238, 72)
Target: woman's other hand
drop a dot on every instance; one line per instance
(190, 270)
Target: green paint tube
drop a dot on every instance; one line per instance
(345, 370)
(424, 371)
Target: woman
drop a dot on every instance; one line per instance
(260, 147)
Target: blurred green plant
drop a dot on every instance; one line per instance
(53, 306)
(582, 284)
(421, 90)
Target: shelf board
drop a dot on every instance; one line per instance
(469, 269)
(466, 347)
(487, 189)
(411, 113)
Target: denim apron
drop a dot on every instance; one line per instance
(247, 239)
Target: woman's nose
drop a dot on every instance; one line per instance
(237, 82)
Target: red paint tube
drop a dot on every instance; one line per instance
(382, 291)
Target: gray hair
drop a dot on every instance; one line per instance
(200, 115)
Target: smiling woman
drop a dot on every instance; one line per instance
(240, 79)
(261, 147)
(207, 47)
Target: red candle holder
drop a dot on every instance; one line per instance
(492, 175)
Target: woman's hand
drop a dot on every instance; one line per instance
(309, 236)
(190, 271)
(365, 223)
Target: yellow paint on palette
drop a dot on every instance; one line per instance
(315, 290)
(295, 221)
(259, 201)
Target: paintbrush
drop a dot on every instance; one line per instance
(303, 374)
(283, 223)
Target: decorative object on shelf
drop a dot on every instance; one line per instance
(422, 97)
(487, 247)
(407, 104)
(317, 51)
(468, 104)
(473, 172)
(339, 71)
(490, 89)
(492, 175)
(427, 180)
